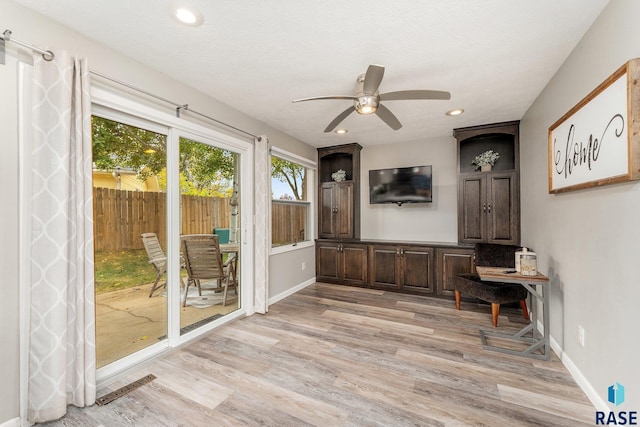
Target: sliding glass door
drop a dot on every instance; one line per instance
(154, 184)
(209, 178)
(130, 235)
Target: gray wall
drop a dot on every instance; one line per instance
(285, 270)
(587, 240)
(34, 28)
(436, 221)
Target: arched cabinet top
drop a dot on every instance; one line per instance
(345, 157)
(501, 138)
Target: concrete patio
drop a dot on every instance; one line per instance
(128, 320)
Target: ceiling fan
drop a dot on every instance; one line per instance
(367, 99)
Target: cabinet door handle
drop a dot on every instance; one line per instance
(489, 207)
(484, 207)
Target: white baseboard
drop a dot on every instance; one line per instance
(580, 379)
(11, 423)
(290, 291)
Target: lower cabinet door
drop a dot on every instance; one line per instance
(327, 256)
(450, 263)
(417, 269)
(354, 264)
(384, 268)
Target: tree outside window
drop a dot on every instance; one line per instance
(289, 207)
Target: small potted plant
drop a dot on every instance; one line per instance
(339, 175)
(486, 160)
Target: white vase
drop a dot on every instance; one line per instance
(485, 168)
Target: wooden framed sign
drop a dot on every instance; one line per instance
(598, 141)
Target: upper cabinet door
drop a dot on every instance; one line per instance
(503, 209)
(327, 217)
(472, 207)
(344, 210)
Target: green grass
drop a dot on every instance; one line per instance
(122, 269)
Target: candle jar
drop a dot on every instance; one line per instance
(528, 264)
(517, 258)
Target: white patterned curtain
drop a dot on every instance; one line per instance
(62, 325)
(262, 223)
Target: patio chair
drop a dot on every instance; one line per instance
(158, 259)
(203, 261)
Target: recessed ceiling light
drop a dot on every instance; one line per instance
(341, 131)
(455, 112)
(186, 14)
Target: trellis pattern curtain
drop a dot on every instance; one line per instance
(62, 317)
(262, 223)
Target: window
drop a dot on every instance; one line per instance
(291, 216)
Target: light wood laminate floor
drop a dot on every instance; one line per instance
(341, 356)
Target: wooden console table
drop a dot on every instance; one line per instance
(539, 346)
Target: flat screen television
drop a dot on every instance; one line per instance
(400, 185)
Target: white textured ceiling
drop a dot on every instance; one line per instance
(494, 56)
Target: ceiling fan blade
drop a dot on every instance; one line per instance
(349, 97)
(415, 94)
(372, 79)
(388, 117)
(340, 118)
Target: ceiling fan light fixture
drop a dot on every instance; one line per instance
(455, 112)
(368, 98)
(366, 104)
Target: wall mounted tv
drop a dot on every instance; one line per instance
(400, 185)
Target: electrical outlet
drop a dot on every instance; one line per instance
(581, 335)
(304, 265)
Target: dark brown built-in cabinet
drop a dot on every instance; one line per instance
(339, 262)
(402, 268)
(339, 202)
(411, 267)
(341, 257)
(336, 210)
(489, 202)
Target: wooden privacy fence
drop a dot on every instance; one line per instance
(119, 216)
(288, 222)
